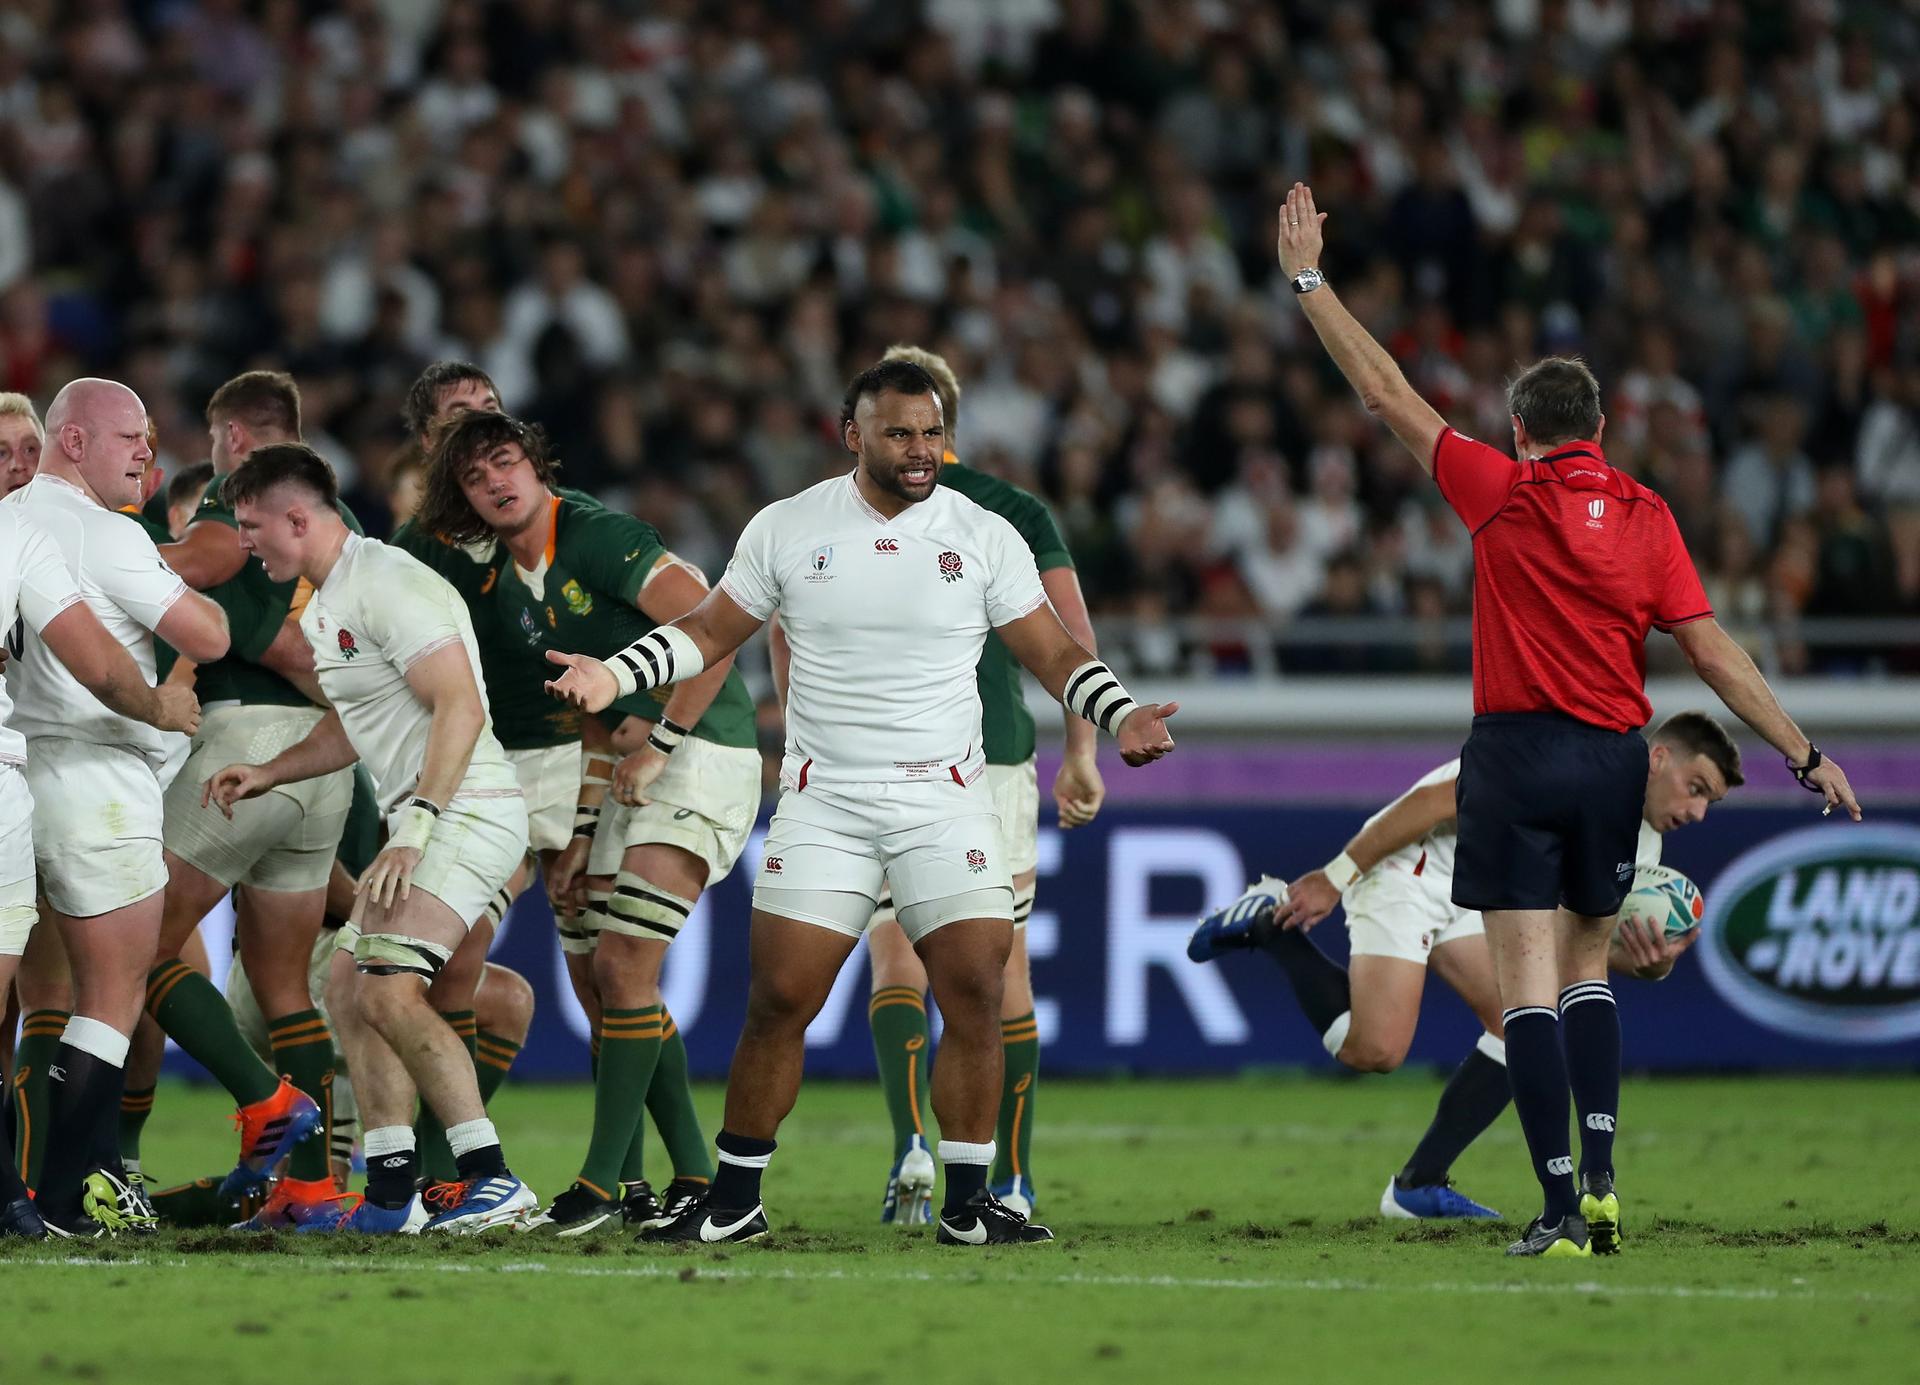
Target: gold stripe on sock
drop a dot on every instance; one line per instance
(323, 1037)
(595, 1188)
(503, 1064)
(1020, 1036)
(157, 994)
(898, 993)
(312, 1026)
(913, 1001)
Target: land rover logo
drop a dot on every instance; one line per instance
(1817, 933)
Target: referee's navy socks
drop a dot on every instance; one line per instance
(736, 1182)
(1319, 982)
(1538, 1070)
(1590, 1024)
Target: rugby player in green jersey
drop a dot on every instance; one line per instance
(897, 1008)
(574, 575)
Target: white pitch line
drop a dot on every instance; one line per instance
(1585, 1288)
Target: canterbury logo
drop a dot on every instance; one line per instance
(886, 545)
(775, 865)
(1563, 1164)
(1599, 1122)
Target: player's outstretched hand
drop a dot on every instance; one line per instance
(1143, 736)
(565, 876)
(633, 776)
(1300, 241)
(1831, 780)
(1309, 899)
(234, 783)
(390, 878)
(1078, 791)
(1650, 953)
(587, 683)
(176, 708)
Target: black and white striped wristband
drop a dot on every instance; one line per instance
(586, 819)
(1095, 693)
(661, 656)
(666, 736)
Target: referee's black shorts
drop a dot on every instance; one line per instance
(1549, 814)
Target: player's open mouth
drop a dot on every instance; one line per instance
(503, 502)
(916, 475)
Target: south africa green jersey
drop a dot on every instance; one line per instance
(1006, 726)
(525, 715)
(582, 602)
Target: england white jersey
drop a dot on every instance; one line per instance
(885, 619)
(1431, 858)
(35, 586)
(121, 575)
(379, 613)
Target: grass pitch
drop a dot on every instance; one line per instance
(1209, 1231)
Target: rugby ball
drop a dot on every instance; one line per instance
(1665, 897)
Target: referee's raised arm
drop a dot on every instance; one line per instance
(1365, 363)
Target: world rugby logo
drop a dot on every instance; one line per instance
(1817, 933)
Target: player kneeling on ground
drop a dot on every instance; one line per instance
(1396, 879)
(395, 655)
(887, 584)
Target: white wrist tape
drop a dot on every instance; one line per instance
(1095, 693)
(663, 655)
(412, 827)
(1343, 872)
(666, 736)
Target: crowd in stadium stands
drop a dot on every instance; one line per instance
(672, 230)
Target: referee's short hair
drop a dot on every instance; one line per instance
(281, 463)
(1697, 733)
(1557, 399)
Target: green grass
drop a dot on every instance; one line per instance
(1209, 1231)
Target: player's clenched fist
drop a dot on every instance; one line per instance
(587, 683)
(176, 708)
(1143, 736)
(234, 783)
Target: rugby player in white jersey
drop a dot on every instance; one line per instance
(396, 657)
(94, 776)
(39, 600)
(1395, 877)
(886, 584)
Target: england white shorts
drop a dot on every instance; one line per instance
(96, 825)
(17, 913)
(1016, 798)
(478, 843)
(1392, 912)
(284, 840)
(937, 843)
(550, 782)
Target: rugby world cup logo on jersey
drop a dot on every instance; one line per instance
(348, 648)
(1595, 508)
(821, 560)
(950, 567)
(1817, 933)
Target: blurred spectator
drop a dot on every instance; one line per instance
(671, 232)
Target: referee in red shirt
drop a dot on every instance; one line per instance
(1573, 563)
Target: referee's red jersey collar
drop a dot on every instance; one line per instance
(1581, 447)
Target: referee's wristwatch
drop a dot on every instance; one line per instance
(1307, 280)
